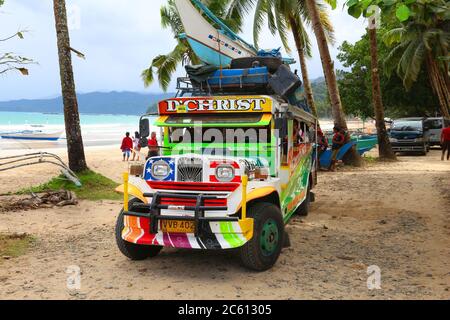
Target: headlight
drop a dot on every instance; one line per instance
(420, 140)
(225, 173)
(160, 170)
(393, 140)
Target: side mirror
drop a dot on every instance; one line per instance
(144, 128)
(143, 142)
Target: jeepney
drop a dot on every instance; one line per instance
(232, 172)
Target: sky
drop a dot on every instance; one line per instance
(119, 39)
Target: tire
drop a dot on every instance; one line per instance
(303, 210)
(263, 250)
(135, 252)
(271, 63)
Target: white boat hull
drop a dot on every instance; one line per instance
(209, 44)
(44, 136)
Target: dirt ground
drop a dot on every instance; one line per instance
(391, 215)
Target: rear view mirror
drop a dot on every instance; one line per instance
(144, 128)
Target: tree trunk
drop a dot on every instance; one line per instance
(439, 83)
(330, 76)
(384, 145)
(301, 55)
(77, 160)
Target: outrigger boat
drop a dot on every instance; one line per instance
(33, 135)
(213, 46)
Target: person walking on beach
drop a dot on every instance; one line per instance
(127, 145)
(445, 142)
(136, 146)
(153, 147)
(338, 142)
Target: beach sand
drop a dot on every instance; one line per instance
(392, 215)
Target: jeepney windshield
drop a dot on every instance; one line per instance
(214, 120)
(218, 128)
(219, 135)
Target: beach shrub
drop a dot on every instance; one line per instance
(94, 187)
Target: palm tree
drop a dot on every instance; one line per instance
(284, 15)
(329, 72)
(77, 159)
(384, 144)
(166, 65)
(423, 40)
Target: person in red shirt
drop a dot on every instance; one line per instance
(445, 142)
(338, 142)
(127, 146)
(153, 147)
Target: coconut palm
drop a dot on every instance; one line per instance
(77, 159)
(165, 65)
(356, 8)
(329, 71)
(282, 16)
(422, 41)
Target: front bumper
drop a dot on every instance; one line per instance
(142, 225)
(408, 147)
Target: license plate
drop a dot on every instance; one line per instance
(177, 226)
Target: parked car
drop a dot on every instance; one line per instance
(435, 126)
(410, 135)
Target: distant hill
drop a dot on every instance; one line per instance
(125, 103)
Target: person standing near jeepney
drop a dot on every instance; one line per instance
(445, 142)
(322, 142)
(127, 145)
(338, 142)
(153, 147)
(136, 146)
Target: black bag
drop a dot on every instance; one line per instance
(284, 82)
(200, 73)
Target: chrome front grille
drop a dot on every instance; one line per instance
(190, 170)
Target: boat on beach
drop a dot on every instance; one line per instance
(213, 46)
(39, 135)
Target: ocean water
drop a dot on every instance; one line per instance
(24, 118)
(97, 130)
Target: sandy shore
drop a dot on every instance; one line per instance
(105, 160)
(392, 215)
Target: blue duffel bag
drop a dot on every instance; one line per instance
(239, 77)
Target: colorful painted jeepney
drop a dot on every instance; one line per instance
(232, 171)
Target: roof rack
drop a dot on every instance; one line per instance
(186, 87)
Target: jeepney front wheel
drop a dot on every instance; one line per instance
(263, 250)
(130, 250)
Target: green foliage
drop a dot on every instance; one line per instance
(321, 98)
(356, 84)
(94, 187)
(424, 35)
(279, 14)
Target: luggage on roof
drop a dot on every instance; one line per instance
(284, 82)
(239, 78)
